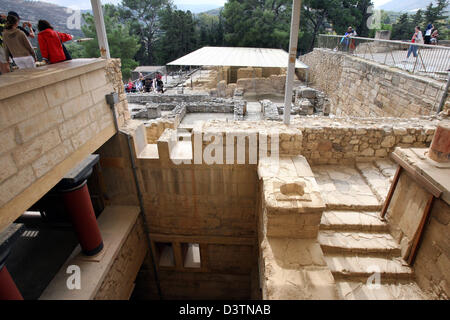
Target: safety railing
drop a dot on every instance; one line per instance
(427, 60)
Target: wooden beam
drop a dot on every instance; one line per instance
(416, 176)
(419, 233)
(244, 241)
(391, 192)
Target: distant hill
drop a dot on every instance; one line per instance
(33, 11)
(214, 12)
(405, 5)
(198, 8)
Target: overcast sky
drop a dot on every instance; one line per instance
(86, 4)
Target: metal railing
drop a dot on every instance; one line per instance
(427, 60)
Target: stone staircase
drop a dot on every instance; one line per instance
(357, 245)
(359, 249)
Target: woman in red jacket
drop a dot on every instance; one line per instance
(50, 42)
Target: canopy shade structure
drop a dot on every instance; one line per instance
(237, 57)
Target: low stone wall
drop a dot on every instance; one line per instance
(166, 98)
(341, 140)
(362, 88)
(324, 140)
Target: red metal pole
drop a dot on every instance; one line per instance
(8, 288)
(79, 205)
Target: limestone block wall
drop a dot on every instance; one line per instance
(155, 128)
(114, 76)
(47, 125)
(274, 85)
(346, 140)
(363, 88)
(432, 261)
(324, 140)
(119, 282)
(249, 73)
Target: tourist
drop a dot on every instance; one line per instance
(17, 44)
(129, 86)
(26, 27)
(141, 82)
(159, 85)
(434, 37)
(347, 41)
(417, 38)
(148, 84)
(4, 60)
(428, 32)
(51, 43)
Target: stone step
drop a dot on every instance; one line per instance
(405, 290)
(358, 242)
(376, 180)
(363, 267)
(352, 221)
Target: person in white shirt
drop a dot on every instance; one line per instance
(417, 38)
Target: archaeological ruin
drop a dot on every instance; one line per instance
(204, 192)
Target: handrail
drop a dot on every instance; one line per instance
(388, 41)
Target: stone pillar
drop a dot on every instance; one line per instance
(8, 288)
(440, 147)
(79, 206)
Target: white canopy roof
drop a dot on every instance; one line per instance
(237, 57)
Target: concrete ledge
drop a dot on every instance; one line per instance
(115, 223)
(21, 81)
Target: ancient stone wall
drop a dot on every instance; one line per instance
(363, 88)
(119, 282)
(340, 140)
(114, 75)
(324, 140)
(249, 73)
(432, 262)
(46, 130)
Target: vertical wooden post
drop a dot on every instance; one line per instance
(100, 28)
(295, 26)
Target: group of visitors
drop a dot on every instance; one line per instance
(431, 35)
(347, 41)
(145, 84)
(16, 48)
(430, 38)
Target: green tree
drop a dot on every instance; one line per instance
(76, 50)
(121, 44)
(403, 28)
(362, 14)
(209, 30)
(340, 13)
(177, 35)
(437, 14)
(257, 23)
(144, 16)
(417, 18)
